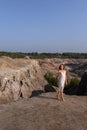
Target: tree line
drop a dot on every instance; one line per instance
(36, 55)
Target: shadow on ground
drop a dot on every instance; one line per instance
(47, 88)
(36, 93)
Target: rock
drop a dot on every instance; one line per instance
(49, 88)
(26, 88)
(22, 81)
(82, 89)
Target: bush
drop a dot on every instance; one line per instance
(51, 79)
(73, 83)
(72, 87)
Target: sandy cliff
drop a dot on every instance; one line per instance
(19, 78)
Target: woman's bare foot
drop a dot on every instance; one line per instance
(63, 100)
(58, 98)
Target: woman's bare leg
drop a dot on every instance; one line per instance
(58, 94)
(62, 97)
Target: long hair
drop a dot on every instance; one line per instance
(63, 67)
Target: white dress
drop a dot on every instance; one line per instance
(62, 79)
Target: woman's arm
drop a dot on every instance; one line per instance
(65, 79)
(58, 74)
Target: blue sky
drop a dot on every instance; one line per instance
(43, 25)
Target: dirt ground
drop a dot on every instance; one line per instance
(45, 112)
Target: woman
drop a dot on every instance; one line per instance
(61, 81)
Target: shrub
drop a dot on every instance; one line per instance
(73, 83)
(51, 79)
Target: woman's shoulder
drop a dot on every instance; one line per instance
(63, 71)
(59, 71)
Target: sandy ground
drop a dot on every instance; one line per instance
(45, 112)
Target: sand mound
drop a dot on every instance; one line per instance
(6, 62)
